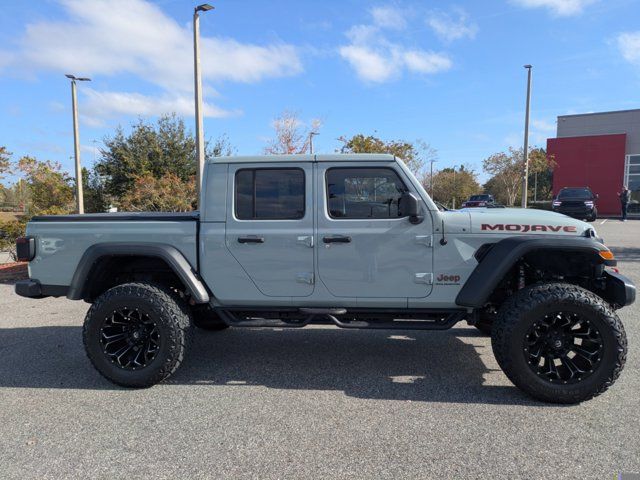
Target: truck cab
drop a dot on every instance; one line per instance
(321, 230)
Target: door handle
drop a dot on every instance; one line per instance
(250, 240)
(336, 239)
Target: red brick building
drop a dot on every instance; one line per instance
(600, 151)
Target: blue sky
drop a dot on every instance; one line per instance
(450, 74)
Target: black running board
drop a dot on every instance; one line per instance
(252, 318)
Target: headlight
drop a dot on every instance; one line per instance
(588, 203)
(557, 203)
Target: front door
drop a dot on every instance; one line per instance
(270, 229)
(365, 249)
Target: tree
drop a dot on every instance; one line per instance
(541, 168)
(222, 147)
(95, 197)
(5, 164)
(415, 155)
(166, 147)
(506, 170)
(149, 149)
(49, 188)
(10, 231)
(452, 187)
(168, 193)
(292, 137)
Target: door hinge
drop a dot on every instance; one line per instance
(306, 240)
(426, 240)
(306, 277)
(423, 278)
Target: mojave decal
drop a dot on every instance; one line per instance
(516, 227)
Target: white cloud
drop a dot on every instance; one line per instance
(375, 59)
(629, 46)
(543, 125)
(113, 104)
(389, 17)
(116, 37)
(369, 65)
(454, 26)
(561, 8)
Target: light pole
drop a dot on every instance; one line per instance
(432, 161)
(76, 140)
(311, 135)
(454, 187)
(198, 95)
(525, 173)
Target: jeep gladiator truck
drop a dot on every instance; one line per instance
(348, 240)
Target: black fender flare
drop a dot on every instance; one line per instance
(171, 255)
(504, 254)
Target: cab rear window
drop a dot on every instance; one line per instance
(269, 194)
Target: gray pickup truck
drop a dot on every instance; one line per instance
(348, 240)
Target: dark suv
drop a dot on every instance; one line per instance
(483, 200)
(577, 202)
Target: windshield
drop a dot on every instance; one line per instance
(475, 198)
(575, 193)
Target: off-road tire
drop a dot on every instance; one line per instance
(521, 311)
(169, 312)
(484, 326)
(206, 319)
(485, 322)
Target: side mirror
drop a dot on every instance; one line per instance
(409, 206)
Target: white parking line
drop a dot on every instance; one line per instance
(604, 221)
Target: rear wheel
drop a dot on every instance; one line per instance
(136, 334)
(559, 343)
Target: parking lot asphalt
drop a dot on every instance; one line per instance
(313, 403)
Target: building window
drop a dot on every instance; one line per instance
(363, 193)
(270, 194)
(632, 181)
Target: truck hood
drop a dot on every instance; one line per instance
(524, 221)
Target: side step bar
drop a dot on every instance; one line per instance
(442, 320)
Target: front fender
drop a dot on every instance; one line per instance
(503, 255)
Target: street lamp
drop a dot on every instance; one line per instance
(311, 135)
(205, 7)
(454, 187)
(76, 139)
(432, 161)
(525, 173)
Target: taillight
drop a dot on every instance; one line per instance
(25, 249)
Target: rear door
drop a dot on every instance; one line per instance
(365, 250)
(270, 228)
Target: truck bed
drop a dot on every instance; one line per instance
(61, 240)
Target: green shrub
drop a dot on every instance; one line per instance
(9, 232)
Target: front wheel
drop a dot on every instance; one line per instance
(136, 334)
(559, 342)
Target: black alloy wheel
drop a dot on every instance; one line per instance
(129, 338)
(563, 347)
